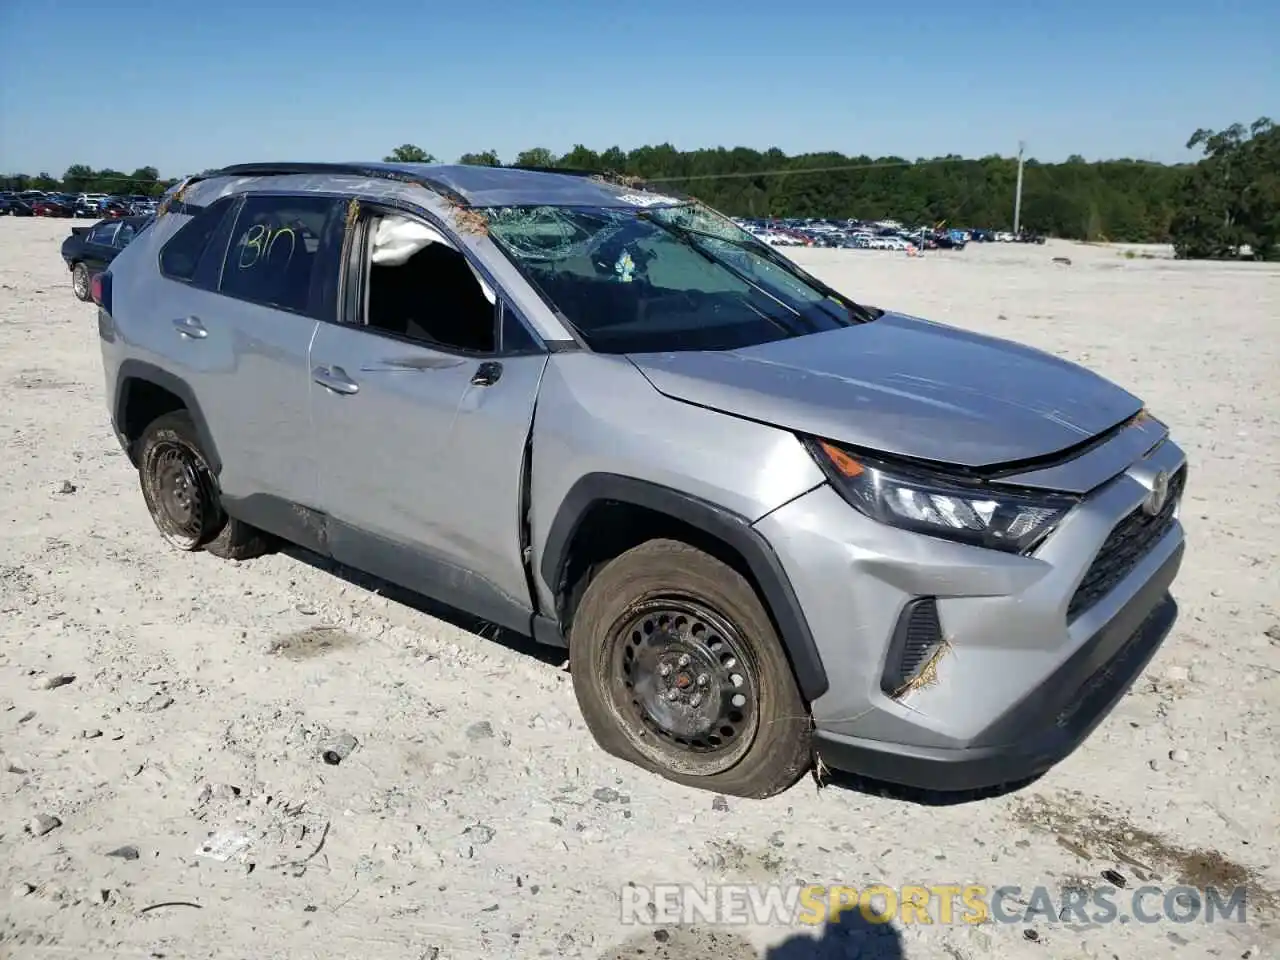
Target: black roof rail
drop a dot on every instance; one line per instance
(283, 169)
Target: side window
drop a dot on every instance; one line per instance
(104, 234)
(275, 249)
(516, 338)
(420, 288)
(126, 234)
(180, 256)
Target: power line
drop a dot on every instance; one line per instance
(798, 170)
(164, 182)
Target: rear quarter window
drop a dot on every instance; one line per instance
(180, 256)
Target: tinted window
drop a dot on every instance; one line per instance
(104, 234)
(274, 250)
(181, 255)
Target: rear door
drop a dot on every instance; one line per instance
(422, 400)
(239, 320)
(269, 300)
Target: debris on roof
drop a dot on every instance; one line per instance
(615, 179)
(470, 220)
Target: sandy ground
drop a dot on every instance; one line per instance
(477, 818)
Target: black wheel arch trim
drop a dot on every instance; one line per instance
(135, 371)
(731, 528)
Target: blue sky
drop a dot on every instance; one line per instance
(185, 86)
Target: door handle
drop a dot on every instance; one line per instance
(487, 373)
(191, 327)
(335, 379)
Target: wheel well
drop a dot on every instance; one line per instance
(610, 528)
(143, 402)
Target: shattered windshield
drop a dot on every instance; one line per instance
(662, 279)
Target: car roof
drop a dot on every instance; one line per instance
(481, 186)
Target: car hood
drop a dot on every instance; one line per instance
(904, 386)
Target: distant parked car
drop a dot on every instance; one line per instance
(90, 250)
(13, 206)
(115, 209)
(49, 207)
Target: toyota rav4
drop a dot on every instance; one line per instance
(774, 527)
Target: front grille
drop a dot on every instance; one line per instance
(1130, 541)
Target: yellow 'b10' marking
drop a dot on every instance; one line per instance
(260, 241)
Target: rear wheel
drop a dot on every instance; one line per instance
(677, 667)
(182, 496)
(80, 281)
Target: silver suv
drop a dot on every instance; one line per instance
(772, 526)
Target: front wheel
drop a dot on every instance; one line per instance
(677, 668)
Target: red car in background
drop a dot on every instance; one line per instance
(115, 210)
(47, 207)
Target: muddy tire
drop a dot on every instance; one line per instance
(80, 282)
(239, 541)
(182, 495)
(677, 667)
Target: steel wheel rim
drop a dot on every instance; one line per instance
(684, 684)
(180, 496)
(81, 281)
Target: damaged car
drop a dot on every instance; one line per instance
(775, 528)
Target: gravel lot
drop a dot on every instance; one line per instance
(477, 818)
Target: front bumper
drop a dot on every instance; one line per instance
(1019, 685)
(1075, 700)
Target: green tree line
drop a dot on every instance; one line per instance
(82, 178)
(1231, 199)
(1226, 202)
(1121, 200)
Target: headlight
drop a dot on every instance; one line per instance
(980, 514)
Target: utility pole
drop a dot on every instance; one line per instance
(1017, 200)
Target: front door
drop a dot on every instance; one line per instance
(422, 408)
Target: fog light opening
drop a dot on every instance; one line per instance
(916, 650)
(927, 675)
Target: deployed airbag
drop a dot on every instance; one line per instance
(399, 238)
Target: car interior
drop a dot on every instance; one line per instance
(421, 288)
